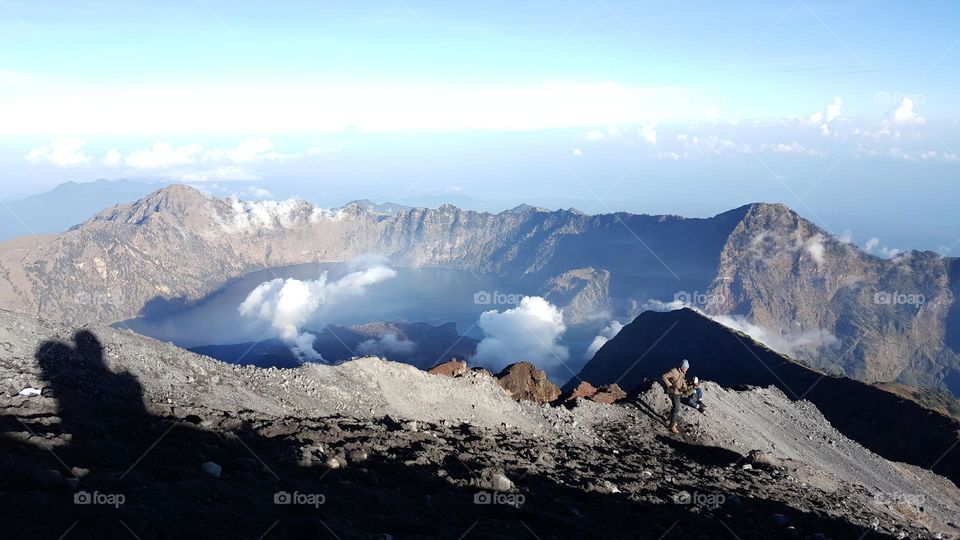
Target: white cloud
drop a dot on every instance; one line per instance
(577, 152)
(792, 344)
(814, 246)
(287, 305)
(301, 106)
(62, 152)
(386, 345)
(792, 147)
(595, 135)
(112, 158)
(873, 246)
(531, 331)
(707, 146)
(230, 172)
(256, 193)
(604, 336)
(649, 133)
(163, 155)
(252, 151)
(833, 109)
(904, 113)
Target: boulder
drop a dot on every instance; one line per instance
(608, 393)
(526, 381)
(212, 469)
(453, 368)
(583, 390)
(494, 480)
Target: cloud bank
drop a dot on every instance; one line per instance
(287, 305)
(531, 331)
(602, 338)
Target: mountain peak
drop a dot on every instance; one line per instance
(717, 353)
(176, 201)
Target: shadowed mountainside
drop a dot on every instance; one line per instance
(654, 342)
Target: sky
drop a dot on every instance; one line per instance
(844, 111)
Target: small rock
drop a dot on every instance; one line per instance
(494, 480)
(212, 469)
(409, 426)
(332, 463)
(357, 456)
(29, 392)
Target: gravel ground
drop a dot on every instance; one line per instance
(400, 452)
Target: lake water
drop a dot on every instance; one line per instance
(433, 295)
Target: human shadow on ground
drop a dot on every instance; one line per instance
(129, 472)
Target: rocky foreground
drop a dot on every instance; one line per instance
(132, 436)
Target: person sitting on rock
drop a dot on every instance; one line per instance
(694, 395)
(675, 386)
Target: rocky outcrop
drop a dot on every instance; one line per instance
(452, 368)
(584, 294)
(607, 393)
(526, 381)
(583, 390)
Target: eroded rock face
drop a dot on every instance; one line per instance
(526, 381)
(608, 393)
(453, 368)
(583, 390)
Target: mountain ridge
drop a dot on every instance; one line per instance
(862, 412)
(761, 263)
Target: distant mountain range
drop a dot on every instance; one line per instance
(760, 266)
(66, 205)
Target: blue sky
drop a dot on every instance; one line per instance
(845, 111)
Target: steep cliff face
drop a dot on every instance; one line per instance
(874, 319)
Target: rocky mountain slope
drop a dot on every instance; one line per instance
(832, 305)
(879, 420)
(133, 435)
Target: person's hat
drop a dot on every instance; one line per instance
(685, 364)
